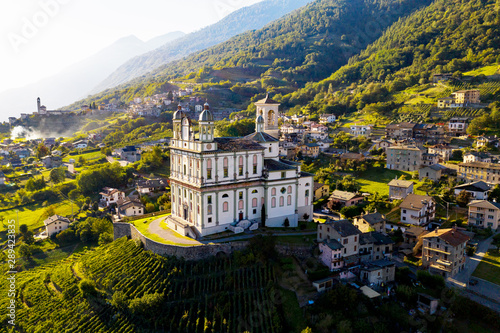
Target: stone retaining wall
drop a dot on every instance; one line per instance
(201, 251)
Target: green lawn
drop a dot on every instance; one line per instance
(32, 214)
(375, 180)
(489, 268)
(88, 156)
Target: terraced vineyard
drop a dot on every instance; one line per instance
(194, 296)
(490, 87)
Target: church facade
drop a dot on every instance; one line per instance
(220, 184)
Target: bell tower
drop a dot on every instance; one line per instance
(269, 110)
(207, 127)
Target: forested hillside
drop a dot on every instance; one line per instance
(307, 45)
(120, 287)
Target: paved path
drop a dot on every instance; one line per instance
(169, 235)
(112, 160)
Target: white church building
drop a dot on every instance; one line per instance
(220, 184)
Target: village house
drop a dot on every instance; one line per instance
(400, 131)
(375, 246)
(399, 189)
(413, 235)
(358, 130)
(441, 77)
(417, 209)
(150, 186)
(319, 128)
(443, 151)
(484, 214)
(130, 207)
(378, 272)
(477, 156)
(347, 235)
(50, 162)
(129, 153)
(81, 144)
(370, 222)
(320, 190)
(487, 141)
(443, 251)
(56, 224)
(111, 195)
(475, 171)
(405, 158)
(429, 159)
(345, 199)
(384, 144)
(327, 118)
(310, 150)
(433, 172)
(458, 126)
(466, 97)
(478, 190)
(446, 102)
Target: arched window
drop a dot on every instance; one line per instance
(289, 189)
(209, 168)
(273, 191)
(225, 162)
(254, 164)
(255, 191)
(209, 163)
(307, 184)
(282, 201)
(225, 195)
(289, 200)
(225, 206)
(273, 202)
(241, 161)
(254, 202)
(240, 204)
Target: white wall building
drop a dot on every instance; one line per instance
(220, 184)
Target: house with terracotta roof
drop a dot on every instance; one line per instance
(345, 199)
(443, 251)
(417, 209)
(400, 188)
(111, 195)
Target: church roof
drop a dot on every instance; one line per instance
(273, 165)
(237, 144)
(261, 137)
(267, 100)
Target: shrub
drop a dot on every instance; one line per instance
(87, 288)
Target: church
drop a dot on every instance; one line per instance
(220, 184)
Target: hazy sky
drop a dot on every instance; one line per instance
(39, 38)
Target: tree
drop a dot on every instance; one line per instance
(26, 251)
(463, 198)
(494, 195)
(23, 229)
(41, 151)
(150, 207)
(57, 175)
(81, 160)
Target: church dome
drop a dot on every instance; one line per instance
(206, 115)
(179, 114)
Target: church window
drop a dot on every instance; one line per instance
(209, 169)
(283, 190)
(307, 193)
(254, 164)
(254, 202)
(270, 149)
(283, 174)
(240, 195)
(240, 204)
(240, 168)
(289, 200)
(282, 201)
(226, 169)
(225, 195)
(209, 200)
(273, 191)
(209, 220)
(225, 206)
(273, 202)
(289, 189)
(209, 209)
(255, 191)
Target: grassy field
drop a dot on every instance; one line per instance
(294, 317)
(375, 180)
(486, 70)
(489, 268)
(88, 156)
(32, 214)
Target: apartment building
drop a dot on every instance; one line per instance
(399, 189)
(405, 158)
(484, 214)
(417, 209)
(466, 97)
(443, 251)
(458, 126)
(475, 171)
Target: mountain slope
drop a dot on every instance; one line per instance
(244, 19)
(76, 80)
(307, 45)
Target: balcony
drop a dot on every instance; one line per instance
(476, 218)
(436, 250)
